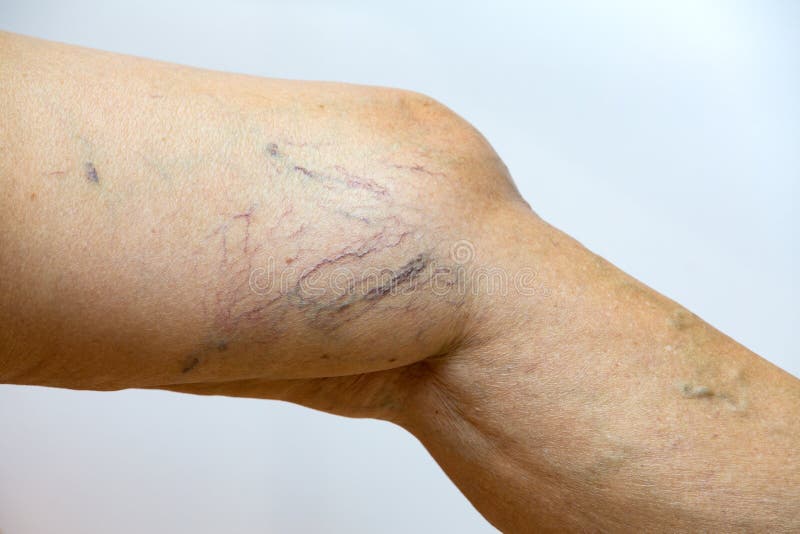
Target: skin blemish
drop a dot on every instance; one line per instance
(690, 391)
(731, 402)
(90, 172)
(606, 464)
(190, 364)
(326, 308)
(682, 319)
(33, 196)
(305, 171)
(222, 345)
(333, 178)
(405, 274)
(359, 182)
(418, 168)
(610, 458)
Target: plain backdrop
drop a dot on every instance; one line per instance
(663, 135)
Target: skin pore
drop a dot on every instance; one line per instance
(363, 251)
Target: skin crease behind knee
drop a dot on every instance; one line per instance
(336, 246)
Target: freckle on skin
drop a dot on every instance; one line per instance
(33, 196)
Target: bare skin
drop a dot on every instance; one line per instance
(363, 251)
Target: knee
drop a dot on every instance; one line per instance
(441, 153)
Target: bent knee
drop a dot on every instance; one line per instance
(439, 152)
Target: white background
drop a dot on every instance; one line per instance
(663, 135)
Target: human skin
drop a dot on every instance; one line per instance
(364, 251)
